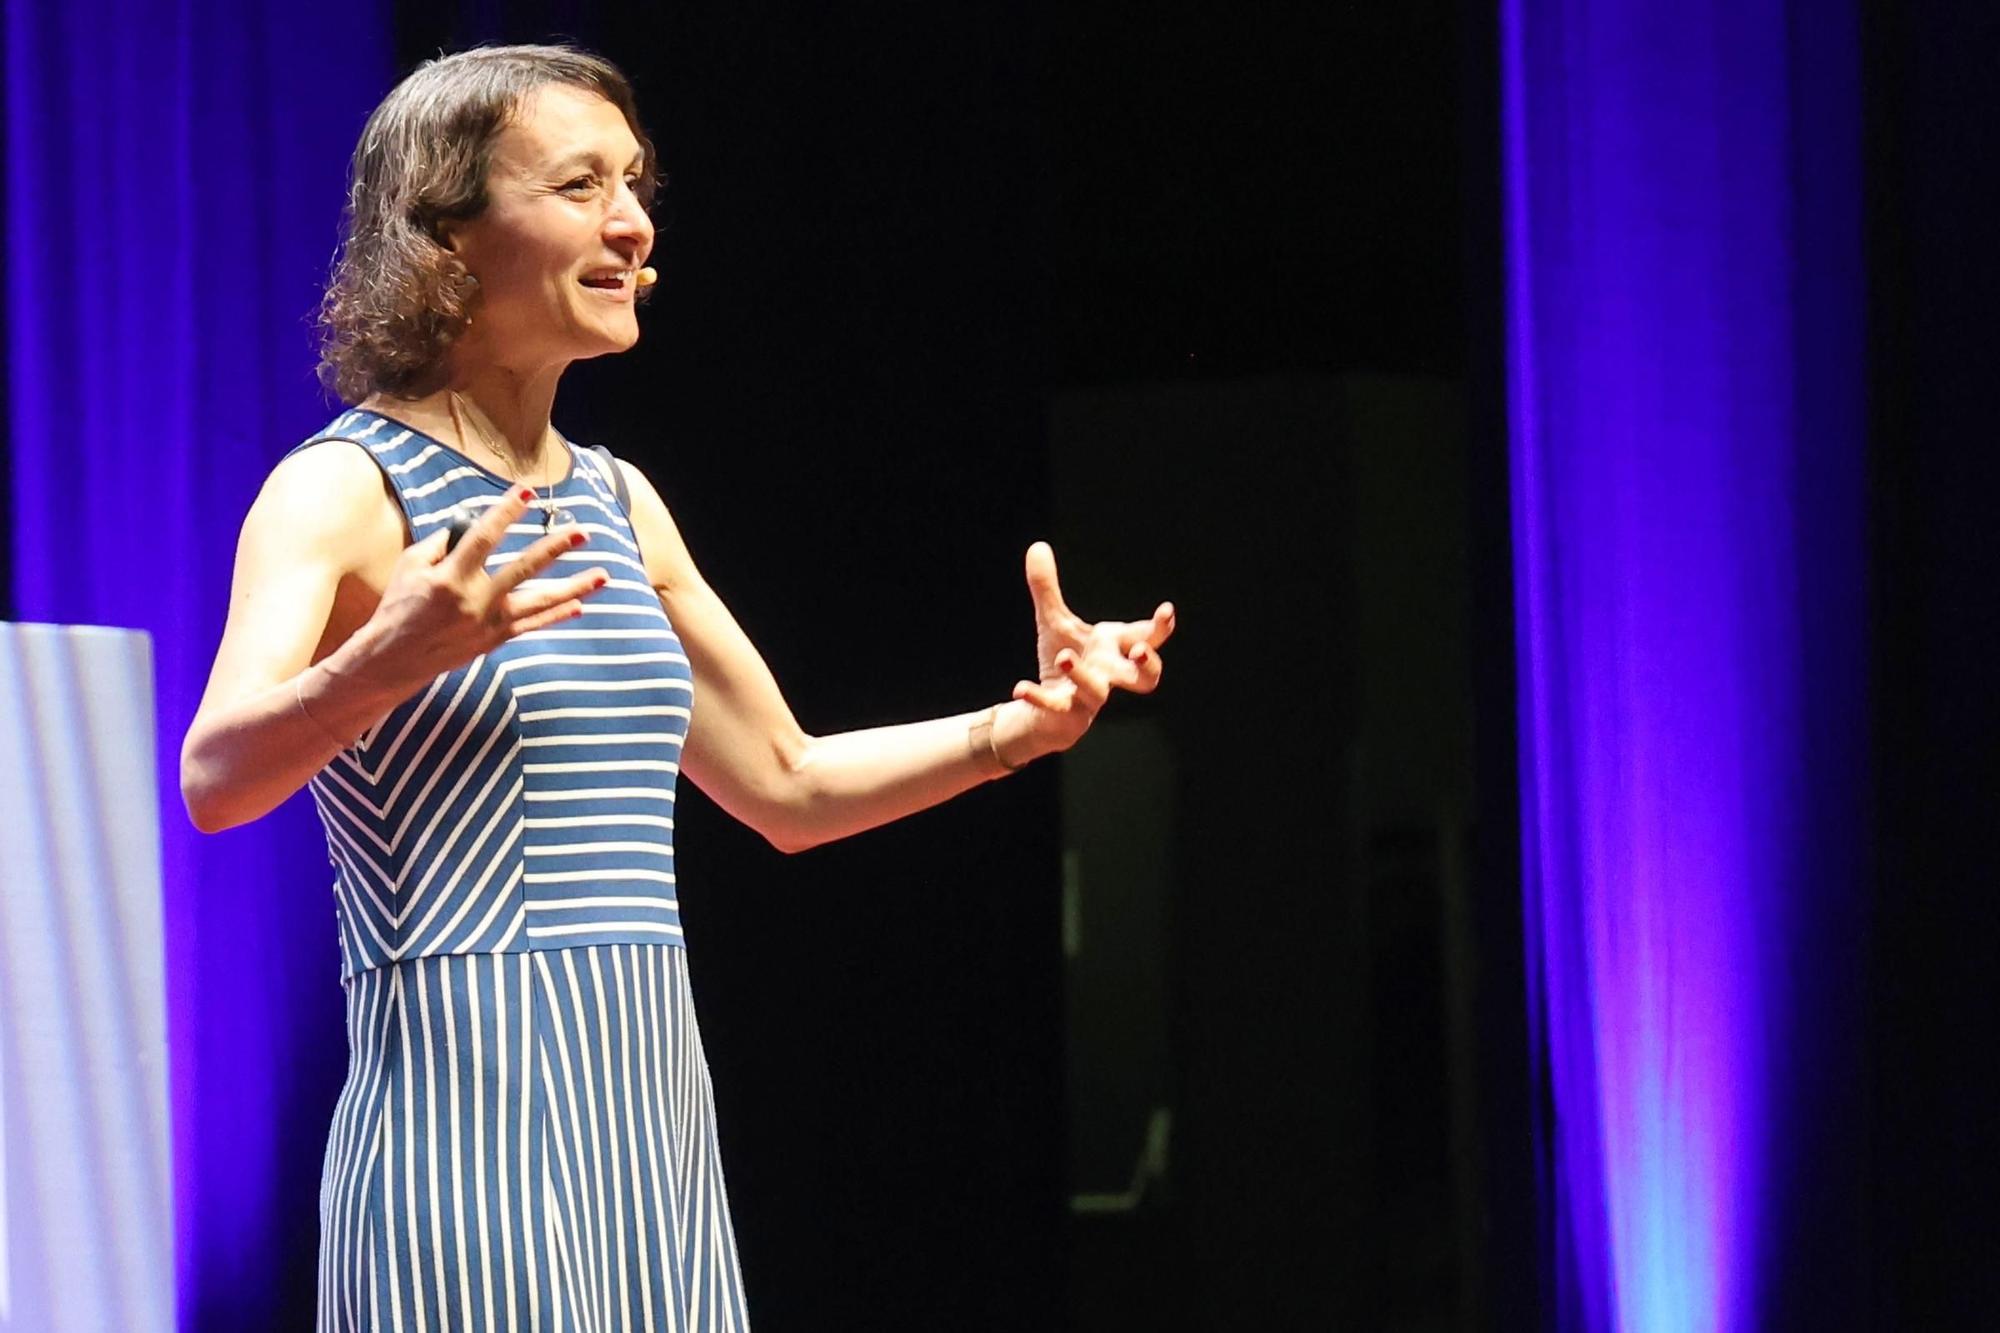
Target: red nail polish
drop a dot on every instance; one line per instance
(576, 539)
(525, 494)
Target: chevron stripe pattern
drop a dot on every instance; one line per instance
(525, 800)
(526, 1139)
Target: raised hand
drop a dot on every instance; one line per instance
(441, 608)
(1080, 662)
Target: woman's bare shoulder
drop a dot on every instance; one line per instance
(330, 496)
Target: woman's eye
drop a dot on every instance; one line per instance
(581, 183)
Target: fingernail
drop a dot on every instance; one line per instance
(577, 539)
(599, 581)
(524, 494)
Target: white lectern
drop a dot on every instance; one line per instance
(86, 1188)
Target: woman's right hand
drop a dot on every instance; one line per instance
(442, 608)
(290, 688)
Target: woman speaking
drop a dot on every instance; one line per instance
(489, 654)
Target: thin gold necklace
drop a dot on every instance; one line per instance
(553, 515)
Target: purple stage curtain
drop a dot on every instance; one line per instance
(1685, 337)
(174, 177)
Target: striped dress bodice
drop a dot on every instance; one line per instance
(524, 801)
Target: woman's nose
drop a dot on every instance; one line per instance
(628, 217)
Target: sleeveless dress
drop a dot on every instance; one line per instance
(526, 1138)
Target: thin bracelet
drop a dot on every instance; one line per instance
(299, 693)
(979, 736)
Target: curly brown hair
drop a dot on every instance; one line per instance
(398, 298)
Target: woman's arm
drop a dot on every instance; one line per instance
(746, 750)
(276, 709)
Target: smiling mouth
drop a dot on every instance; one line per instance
(607, 281)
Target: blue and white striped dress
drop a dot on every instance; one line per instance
(526, 1139)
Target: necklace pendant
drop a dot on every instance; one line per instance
(555, 516)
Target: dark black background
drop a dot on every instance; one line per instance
(1933, 186)
(893, 237)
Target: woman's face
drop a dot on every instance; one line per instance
(562, 235)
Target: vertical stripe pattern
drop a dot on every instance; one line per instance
(526, 1142)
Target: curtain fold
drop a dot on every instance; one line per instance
(1685, 305)
(174, 179)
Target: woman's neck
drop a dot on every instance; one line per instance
(521, 451)
(510, 411)
(497, 416)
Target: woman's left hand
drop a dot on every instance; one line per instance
(1080, 663)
